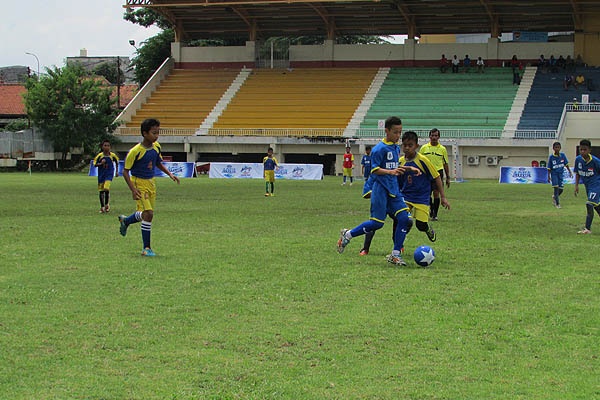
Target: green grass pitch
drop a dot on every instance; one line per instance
(248, 298)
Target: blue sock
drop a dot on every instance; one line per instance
(367, 226)
(401, 230)
(133, 218)
(146, 231)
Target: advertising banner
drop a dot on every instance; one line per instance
(255, 171)
(179, 169)
(528, 175)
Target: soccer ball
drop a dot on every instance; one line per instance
(424, 256)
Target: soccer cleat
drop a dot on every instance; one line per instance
(342, 241)
(123, 227)
(101, 210)
(267, 194)
(431, 235)
(395, 259)
(584, 231)
(435, 218)
(106, 208)
(363, 252)
(148, 253)
(558, 206)
(272, 195)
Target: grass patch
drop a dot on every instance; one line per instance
(248, 299)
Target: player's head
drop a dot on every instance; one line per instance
(585, 146)
(348, 149)
(105, 146)
(434, 136)
(393, 129)
(270, 151)
(148, 124)
(410, 143)
(150, 129)
(368, 149)
(556, 147)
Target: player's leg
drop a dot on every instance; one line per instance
(101, 195)
(367, 243)
(402, 218)
(378, 214)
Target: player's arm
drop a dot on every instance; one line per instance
(569, 169)
(99, 160)
(550, 174)
(164, 169)
(134, 191)
(447, 173)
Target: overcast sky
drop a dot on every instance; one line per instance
(55, 30)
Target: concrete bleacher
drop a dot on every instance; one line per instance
(425, 98)
(185, 97)
(547, 98)
(296, 98)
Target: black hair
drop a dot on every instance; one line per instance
(391, 121)
(147, 124)
(434, 130)
(410, 135)
(556, 143)
(585, 142)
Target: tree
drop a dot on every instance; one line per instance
(151, 55)
(72, 108)
(109, 71)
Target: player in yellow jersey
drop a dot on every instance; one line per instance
(438, 155)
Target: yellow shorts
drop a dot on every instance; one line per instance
(104, 186)
(347, 171)
(148, 189)
(270, 175)
(420, 212)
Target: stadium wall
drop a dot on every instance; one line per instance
(409, 54)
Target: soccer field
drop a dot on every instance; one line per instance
(248, 298)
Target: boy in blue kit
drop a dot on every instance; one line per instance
(557, 162)
(139, 175)
(416, 188)
(587, 169)
(386, 198)
(105, 161)
(366, 163)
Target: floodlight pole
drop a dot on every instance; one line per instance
(38, 63)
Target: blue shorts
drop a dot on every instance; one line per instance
(593, 194)
(557, 180)
(382, 204)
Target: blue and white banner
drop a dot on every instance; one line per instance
(255, 171)
(179, 169)
(529, 175)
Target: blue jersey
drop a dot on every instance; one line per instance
(141, 161)
(588, 171)
(270, 163)
(106, 171)
(385, 155)
(366, 163)
(417, 188)
(557, 163)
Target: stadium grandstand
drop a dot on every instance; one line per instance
(228, 104)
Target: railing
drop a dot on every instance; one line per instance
(129, 131)
(446, 133)
(535, 134)
(292, 132)
(577, 107)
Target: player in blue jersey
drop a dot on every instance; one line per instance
(416, 188)
(587, 169)
(270, 164)
(365, 162)
(139, 175)
(386, 198)
(557, 162)
(105, 161)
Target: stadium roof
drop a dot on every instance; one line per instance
(254, 19)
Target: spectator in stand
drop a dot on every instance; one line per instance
(552, 64)
(467, 63)
(570, 64)
(542, 63)
(516, 70)
(444, 64)
(480, 65)
(561, 62)
(455, 64)
(568, 81)
(579, 80)
(579, 61)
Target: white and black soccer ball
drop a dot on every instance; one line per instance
(424, 256)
